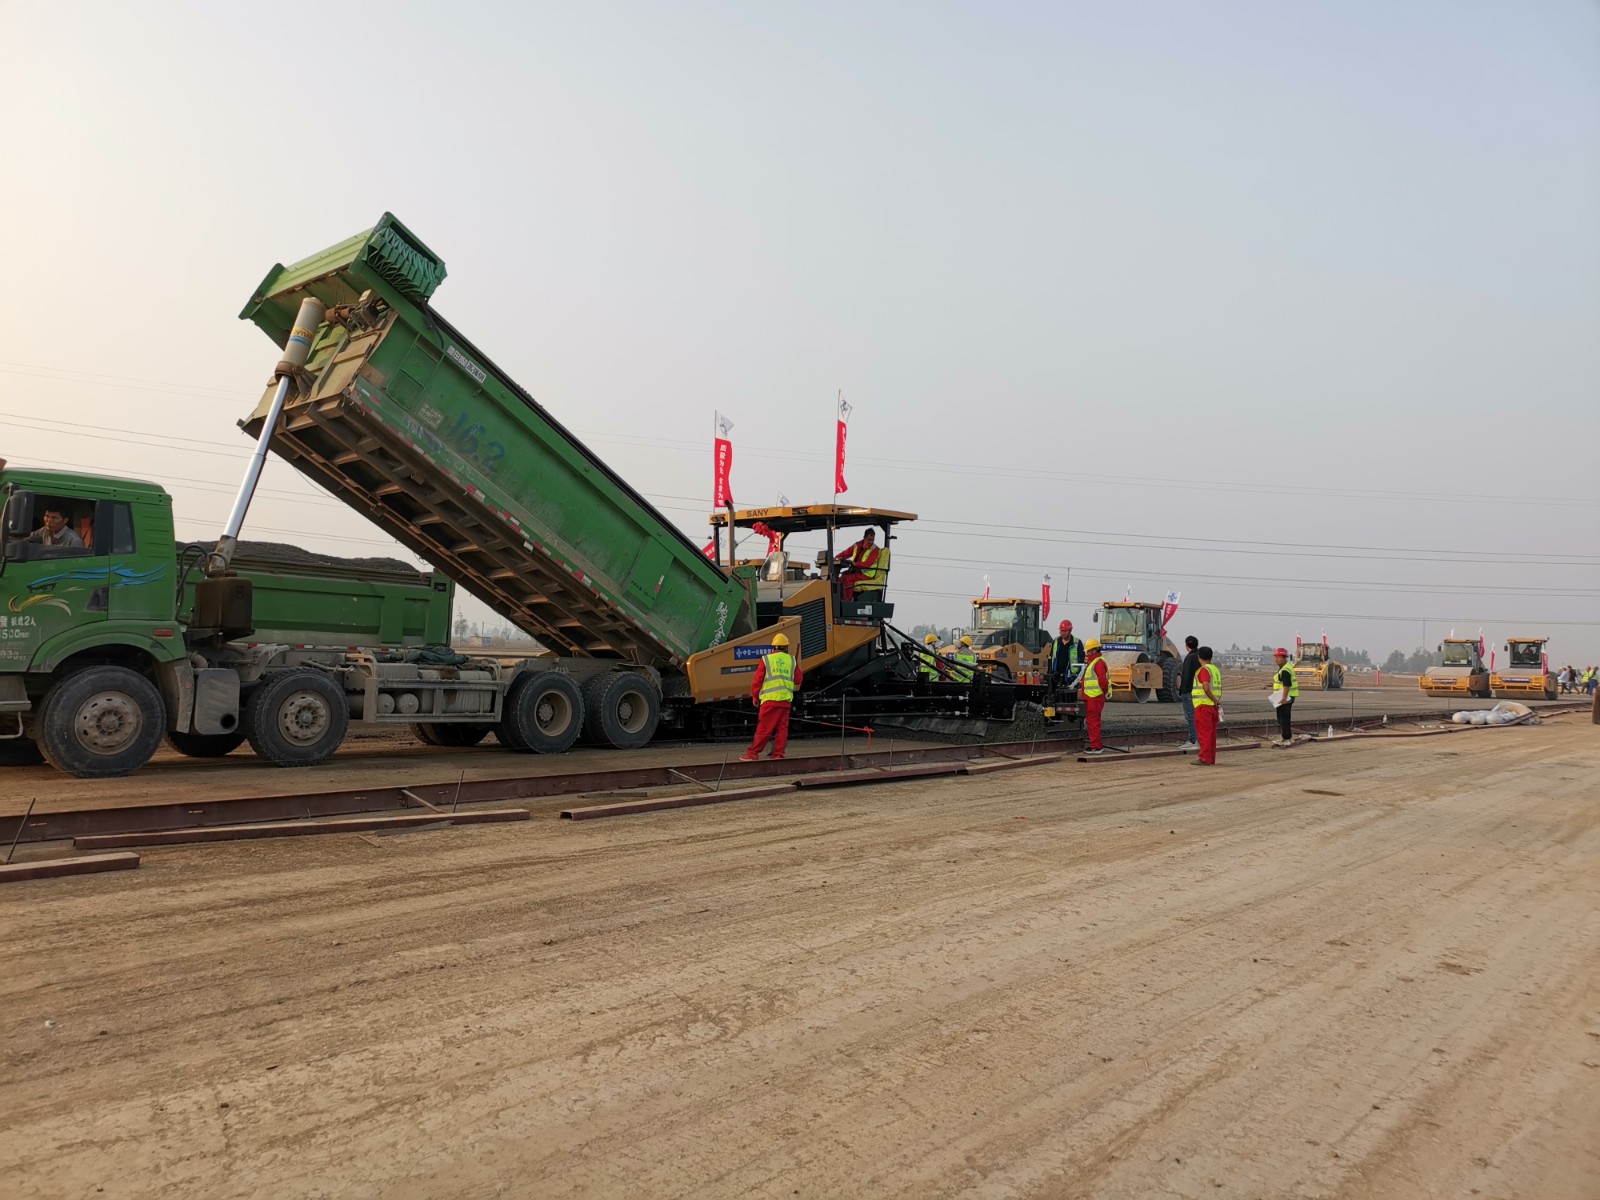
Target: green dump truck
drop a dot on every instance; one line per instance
(98, 658)
(110, 643)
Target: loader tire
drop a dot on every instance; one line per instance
(1171, 678)
(622, 710)
(296, 718)
(101, 722)
(544, 713)
(206, 745)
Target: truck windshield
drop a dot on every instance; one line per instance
(994, 616)
(1527, 654)
(1123, 625)
(1458, 654)
(1312, 652)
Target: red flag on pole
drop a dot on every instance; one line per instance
(710, 549)
(985, 587)
(1044, 601)
(839, 485)
(1169, 609)
(722, 464)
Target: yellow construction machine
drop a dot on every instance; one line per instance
(1008, 634)
(1143, 663)
(1527, 675)
(1314, 667)
(1463, 674)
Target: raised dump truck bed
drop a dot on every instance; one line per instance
(409, 423)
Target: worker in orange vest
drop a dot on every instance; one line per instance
(777, 679)
(1096, 690)
(859, 561)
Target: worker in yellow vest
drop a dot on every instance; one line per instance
(966, 668)
(1207, 696)
(929, 666)
(1285, 687)
(777, 679)
(1096, 690)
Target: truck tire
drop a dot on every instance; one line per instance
(20, 752)
(296, 718)
(101, 722)
(1335, 680)
(623, 710)
(544, 713)
(1171, 678)
(459, 737)
(206, 745)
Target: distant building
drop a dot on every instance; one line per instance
(1239, 660)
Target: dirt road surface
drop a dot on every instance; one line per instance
(1357, 970)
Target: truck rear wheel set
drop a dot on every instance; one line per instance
(547, 711)
(296, 718)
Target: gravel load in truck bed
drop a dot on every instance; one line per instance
(296, 556)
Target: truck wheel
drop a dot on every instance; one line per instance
(296, 718)
(206, 745)
(20, 752)
(544, 713)
(623, 710)
(439, 733)
(101, 722)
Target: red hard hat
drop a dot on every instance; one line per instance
(1066, 627)
(1282, 651)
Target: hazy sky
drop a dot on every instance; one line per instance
(1293, 307)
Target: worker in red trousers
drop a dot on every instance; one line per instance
(773, 689)
(1207, 693)
(1096, 690)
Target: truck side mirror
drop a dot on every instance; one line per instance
(19, 514)
(1096, 616)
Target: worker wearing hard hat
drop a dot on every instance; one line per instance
(777, 679)
(966, 668)
(1066, 658)
(1206, 693)
(1285, 687)
(928, 665)
(1096, 690)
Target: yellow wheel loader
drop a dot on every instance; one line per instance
(1143, 662)
(1463, 674)
(1527, 675)
(1008, 634)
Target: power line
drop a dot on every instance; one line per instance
(787, 454)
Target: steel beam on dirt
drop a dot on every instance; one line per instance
(276, 829)
(660, 803)
(52, 868)
(1146, 755)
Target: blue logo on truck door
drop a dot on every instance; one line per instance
(752, 651)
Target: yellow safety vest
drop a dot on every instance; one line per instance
(968, 661)
(929, 669)
(1091, 681)
(1294, 680)
(777, 685)
(877, 575)
(1198, 692)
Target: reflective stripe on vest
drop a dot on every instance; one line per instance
(1198, 692)
(1294, 680)
(777, 686)
(967, 661)
(1091, 681)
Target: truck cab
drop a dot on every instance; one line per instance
(87, 622)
